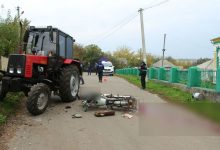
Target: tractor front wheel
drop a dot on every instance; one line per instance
(38, 99)
(69, 83)
(2, 92)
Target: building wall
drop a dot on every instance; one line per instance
(3, 63)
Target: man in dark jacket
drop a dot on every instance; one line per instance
(100, 68)
(81, 76)
(143, 73)
(89, 69)
(96, 71)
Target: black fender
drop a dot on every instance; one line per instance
(50, 84)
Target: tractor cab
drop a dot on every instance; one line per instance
(48, 42)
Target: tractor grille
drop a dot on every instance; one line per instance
(16, 65)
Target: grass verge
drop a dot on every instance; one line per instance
(9, 105)
(205, 108)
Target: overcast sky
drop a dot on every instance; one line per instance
(189, 24)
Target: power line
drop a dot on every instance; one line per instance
(121, 22)
(126, 21)
(155, 5)
(117, 27)
(153, 2)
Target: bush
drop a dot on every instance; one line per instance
(9, 105)
(2, 119)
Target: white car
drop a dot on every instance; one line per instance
(108, 68)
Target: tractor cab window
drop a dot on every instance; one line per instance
(53, 36)
(69, 47)
(46, 45)
(30, 43)
(39, 43)
(54, 40)
(62, 43)
(36, 38)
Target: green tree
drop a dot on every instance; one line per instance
(171, 59)
(9, 34)
(92, 54)
(201, 60)
(125, 53)
(78, 51)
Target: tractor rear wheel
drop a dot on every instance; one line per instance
(69, 83)
(38, 99)
(2, 92)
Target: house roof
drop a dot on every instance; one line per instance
(208, 65)
(166, 64)
(216, 40)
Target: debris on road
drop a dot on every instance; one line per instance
(77, 116)
(37, 119)
(110, 101)
(128, 116)
(28, 124)
(67, 107)
(198, 96)
(105, 113)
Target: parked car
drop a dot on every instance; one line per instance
(108, 68)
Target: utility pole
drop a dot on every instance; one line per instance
(141, 54)
(142, 35)
(20, 31)
(164, 42)
(18, 10)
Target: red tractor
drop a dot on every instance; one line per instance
(46, 65)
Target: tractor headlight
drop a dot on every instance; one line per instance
(18, 70)
(11, 70)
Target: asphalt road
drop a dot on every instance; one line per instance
(57, 130)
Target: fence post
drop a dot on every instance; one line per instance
(161, 74)
(218, 80)
(151, 73)
(194, 77)
(173, 75)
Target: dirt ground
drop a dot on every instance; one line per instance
(57, 130)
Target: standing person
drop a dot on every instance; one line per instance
(96, 71)
(100, 68)
(81, 76)
(89, 69)
(143, 73)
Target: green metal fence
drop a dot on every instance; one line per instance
(128, 71)
(155, 76)
(167, 74)
(192, 77)
(208, 79)
(182, 76)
